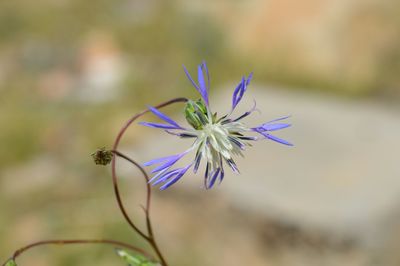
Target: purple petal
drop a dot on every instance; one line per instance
(171, 182)
(166, 176)
(221, 177)
(235, 97)
(158, 125)
(269, 126)
(182, 135)
(236, 142)
(274, 138)
(273, 127)
(163, 116)
(197, 161)
(206, 173)
(203, 89)
(159, 160)
(190, 78)
(168, 163)
(278, 119)
(249, 79)
(232, 164)
(155, 177)
(240, 90)
(175, 179)
(214, 178)
(248, 138)
(208, 76)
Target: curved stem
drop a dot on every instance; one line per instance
(118, 196)
(150, 237)
(146, 176)
(78, 241)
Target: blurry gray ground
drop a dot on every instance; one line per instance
(340, 180)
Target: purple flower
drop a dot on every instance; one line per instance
(216, 139)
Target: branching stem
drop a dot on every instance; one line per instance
(149, 237)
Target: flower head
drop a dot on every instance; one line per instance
(217, 140)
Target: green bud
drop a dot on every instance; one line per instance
(196, 114)
(102, 156)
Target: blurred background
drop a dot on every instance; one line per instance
(72, 72)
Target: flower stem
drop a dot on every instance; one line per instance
(150, 235)
(78, 241)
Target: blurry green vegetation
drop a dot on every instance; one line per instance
(135, 260)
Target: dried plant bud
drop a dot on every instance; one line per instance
(102, 156)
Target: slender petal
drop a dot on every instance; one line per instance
(166, 176)
(206, 173)
(221, 177)
(236, 142)
(182, 135)
(190, 78)
(208, 75)
(279, 140)
(240, 90)
(168, 163)
(214, 178)
(159, 160)
(236, 93)
(197, 161)
(274, 138)
(176, 178)
(248, 138)
(232, 164)
(158, 125)
(155, 177)
(273, 127)
(278, 119)
(270, 126)
(201, 88)
(249, 77)
(163, 116)
(171, 182)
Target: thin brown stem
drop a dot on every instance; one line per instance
(119, 197)
(79, 241)
(150, 237)
(146, 176)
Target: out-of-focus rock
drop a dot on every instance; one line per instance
(353, 43)
(101, 68)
